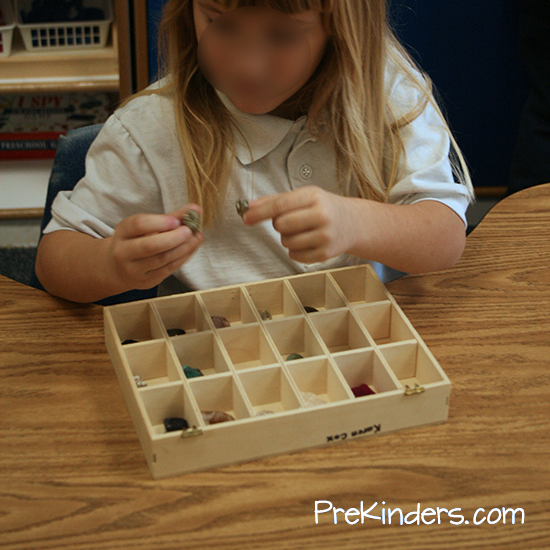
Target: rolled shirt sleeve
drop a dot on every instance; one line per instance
(426, 172)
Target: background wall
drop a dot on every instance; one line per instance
(154, 9)
(469, 49)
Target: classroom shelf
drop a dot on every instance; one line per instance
(63, 71)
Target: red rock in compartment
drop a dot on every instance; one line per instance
(220, 322)
(362, 390)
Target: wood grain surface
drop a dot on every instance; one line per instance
(72, 474)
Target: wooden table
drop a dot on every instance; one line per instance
(72, 474)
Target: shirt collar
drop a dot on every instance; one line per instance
(262, 132)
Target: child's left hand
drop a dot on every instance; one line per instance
(315, 225)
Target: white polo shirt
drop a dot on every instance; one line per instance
(135, 166)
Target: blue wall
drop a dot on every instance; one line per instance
(154, 8)
(469, 48)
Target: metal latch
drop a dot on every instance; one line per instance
(190, 432)
(416, 389)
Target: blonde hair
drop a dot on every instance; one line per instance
(346, 100)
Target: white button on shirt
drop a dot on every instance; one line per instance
(306, 171)
(135, 165)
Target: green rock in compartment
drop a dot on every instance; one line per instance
(219, 321)
(294, 356)
(190, 372)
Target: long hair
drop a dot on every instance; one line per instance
(345, 99)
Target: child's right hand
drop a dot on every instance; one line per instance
(147, 248)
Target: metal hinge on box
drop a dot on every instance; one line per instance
(190, 432)
(414, 390)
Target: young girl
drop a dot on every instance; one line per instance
(351, 161)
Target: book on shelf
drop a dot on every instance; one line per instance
(30, 124)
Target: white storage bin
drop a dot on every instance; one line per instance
(7, 24)
(65, 35)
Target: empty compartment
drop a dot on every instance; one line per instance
(412, 364)
(385, 323)
(366, 367)
(168, 402)
(247, 347)
(220, 394)
(360, 284)
(136, 321)
(269, 390)
(201, 351)
(340, 331)
(153, 362)
(294, 336)
(317, 291)
(275, 297)
(319, 377)
(230, 303)
(182, 312)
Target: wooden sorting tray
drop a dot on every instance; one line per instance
(358, 335)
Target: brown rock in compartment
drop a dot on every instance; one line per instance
(216, 417)
(220, 322)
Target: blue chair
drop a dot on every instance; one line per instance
(68, 168)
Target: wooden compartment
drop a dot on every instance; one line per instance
(340, 331)
(317, 290)
(136, 321)
(221, 394)
(182, 312)
(153, 362)
(269, 390)
(413, 364)
(247, 347)
(367, 367)
(359, 284)
(275, 297)
(231, 303)
(295, 336)
(385, 322)
(172, 401)
(358, 336)
(201, 351)
(319, 377)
